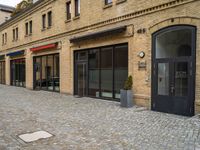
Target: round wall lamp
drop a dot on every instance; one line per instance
(141, 54)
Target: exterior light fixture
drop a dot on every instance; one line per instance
(141, 54)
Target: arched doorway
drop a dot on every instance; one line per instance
(173, 70)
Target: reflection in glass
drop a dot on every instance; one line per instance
(163, 79)
(49, 69)
(181, 79)
(106, 72)
(56, 73)
(44, 76)
(47, 72)
(81, 79)
(121, 68)
(174, 43)
(3, 73)
(18, 75)
(37, 72)
(94, 73)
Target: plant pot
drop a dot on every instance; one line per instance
(126, 98)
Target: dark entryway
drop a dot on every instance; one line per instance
(18, 73)
(101, 72)
(47, 72)
(2, 72)
(173, 72)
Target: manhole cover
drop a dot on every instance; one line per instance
(31, 137)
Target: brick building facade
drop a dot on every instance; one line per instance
(88, 48)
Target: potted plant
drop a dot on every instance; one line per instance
(126, 94)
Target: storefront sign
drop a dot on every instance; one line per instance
(44, 47)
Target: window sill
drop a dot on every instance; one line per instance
(68, 20)
(49, 27)
(76, 17)
(43, 29)
(120, 1)
(107, 5)
(15, 40)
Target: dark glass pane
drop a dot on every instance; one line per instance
(44, 74)
(26, 28)
(68, 7)
(4, 73)
(106, 72)
(108, 2)
(30, 26)
(43, 21)
(49, 71)
(37, 65)
(22, 73)
(56, 73)
(174, 43)
(81, 56)
(18, 72)
(120, 68)
(49, 19)
(77, 7)
(181, 79)
(81, 73)
(163, 79)
(94, 72)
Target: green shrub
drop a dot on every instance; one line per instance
(128, 83)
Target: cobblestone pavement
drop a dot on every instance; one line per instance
(89, 124)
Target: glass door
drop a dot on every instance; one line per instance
(173, 71)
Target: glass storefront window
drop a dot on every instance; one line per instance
(56, 73)
(47, 72)
(106, 70)
(121, 68)
(2, 72)
(93, 57)
(18, 73)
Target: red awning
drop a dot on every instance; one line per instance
(44, 47)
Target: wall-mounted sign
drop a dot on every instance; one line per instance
(142, 65)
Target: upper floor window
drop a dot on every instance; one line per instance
(4, 38)
(29, 28)
(44, 21)
(49, 14)
(108, 2)
(15, 34)
(68, 10)
(26, 26)
(77, 8)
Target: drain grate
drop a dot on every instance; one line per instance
(31, 137)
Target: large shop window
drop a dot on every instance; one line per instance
(2, 72)
(106, 71)
(47, 73)
(18, 75)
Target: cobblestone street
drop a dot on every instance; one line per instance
(89, 124)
